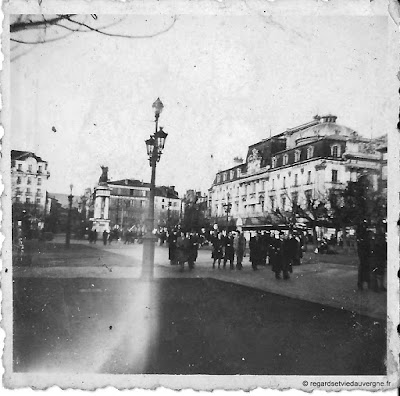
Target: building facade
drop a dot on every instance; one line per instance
(29, 177)
(129, 202)
(301, 164)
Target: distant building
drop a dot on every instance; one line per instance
(29, 176)
(297, 165)
(130, 199)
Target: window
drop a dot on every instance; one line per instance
(162, 200)
(237, 190)
(218, 178)
(296, 180)
(232, 174)
(28, 191)
(334, 176)
(309, 177)
(40, 169)
(38, 200)
(162, 206)
(263, 185)
(238, 172)
(308, 195)
(284, 182)
(18, 180)
(224, 176)
(335, 151)
(273, 164)
(39, 181)
(272, 199)
(28, 200)
(30, 168)
(18, 199)
(310, 152)
(283, 200)
(295, 198)
(29, 181)
(39, 192)
(20, 167)
(297, 155)
(285, 159)
(253, 187)
(273, 184)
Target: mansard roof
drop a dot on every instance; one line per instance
(22, 155)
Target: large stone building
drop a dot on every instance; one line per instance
(29, 176)
(293, 167)
(129, 203)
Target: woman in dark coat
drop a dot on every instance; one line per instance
(218, 250)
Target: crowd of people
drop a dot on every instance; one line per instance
(183, 248)
(281, 251)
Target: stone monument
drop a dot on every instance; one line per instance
(102, 192)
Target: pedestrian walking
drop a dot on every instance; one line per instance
(218, 250)
(105, 237)
(229, 252)
(239, 245)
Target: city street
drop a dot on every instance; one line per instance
(86, 310)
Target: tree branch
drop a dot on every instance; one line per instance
(123, 35)
(23, 25)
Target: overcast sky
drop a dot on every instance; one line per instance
(226, 82)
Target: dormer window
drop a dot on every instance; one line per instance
(30, 168)
(232, 174)
(335, 151)
(238, 172)
(20, 167)
(224, 176)
(297, 154)
(273, 162)
(310, 152)
(218, 178)
(285, 159)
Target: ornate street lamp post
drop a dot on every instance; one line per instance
(68, 235)
(155, 145)
(227, 207)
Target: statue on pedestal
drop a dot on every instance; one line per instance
(104, 175)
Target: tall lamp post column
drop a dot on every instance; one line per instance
(227, 207)
(68, 235)
(155, 145)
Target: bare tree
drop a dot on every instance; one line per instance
(30, 30)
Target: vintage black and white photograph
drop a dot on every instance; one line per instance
(199, 193)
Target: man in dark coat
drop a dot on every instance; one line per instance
(275, 255)
(183, 247)
(229, 252)
(255, 251)
(172, 249)
(218, 249)
(239, 245)
(193, 249)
